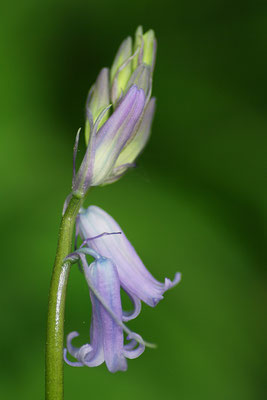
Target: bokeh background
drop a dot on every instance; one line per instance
(194, 204)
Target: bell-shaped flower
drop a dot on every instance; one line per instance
(106, 332)
(134, 278)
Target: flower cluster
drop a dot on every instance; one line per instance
(119, 113)
(116, 266)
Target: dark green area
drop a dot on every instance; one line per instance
(194, 204)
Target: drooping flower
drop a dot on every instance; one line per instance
(116, 266)
(119, 113)
(134, 278)
(106, 332)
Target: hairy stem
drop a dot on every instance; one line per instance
(56, 305)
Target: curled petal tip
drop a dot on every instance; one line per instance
(168, 284)
(72, 335)
(71, 363)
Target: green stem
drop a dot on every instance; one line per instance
(56, 307)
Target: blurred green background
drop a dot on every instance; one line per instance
(195, 204)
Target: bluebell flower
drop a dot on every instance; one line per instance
(116, 266)
(134, 278)
(106, 332)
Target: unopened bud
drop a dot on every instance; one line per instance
(97, 101)
(121, 69)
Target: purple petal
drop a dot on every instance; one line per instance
(71, 363)
(103, 275)
(81, 254)
(115, 133)
(130, 351)
(133, 275)
(124, 118)
(105, 145)
(71, 349)
(106, 332)
(88, 355)
(168, 284)
(132, 150)
(127, 315)
(141, 77)
(131, 344)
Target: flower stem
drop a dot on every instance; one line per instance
(56, 306)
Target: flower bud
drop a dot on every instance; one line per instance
(97, 101)
(126, 69)
(115, 136)
(106, 144)
(147, 44)
(137, 144)
(149, 52)
(141, 77)
(138, 45)
(121, 69)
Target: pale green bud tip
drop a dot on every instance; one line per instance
(138, 37)
(139, 31)
(128, 60)
(137, 45)
(149, 51)
(98, 99)
(124, 52)
(146, 43)
(121, 69)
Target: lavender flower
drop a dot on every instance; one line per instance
(115, 139)
(116, 266)
(106, 333)
(135, 279)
